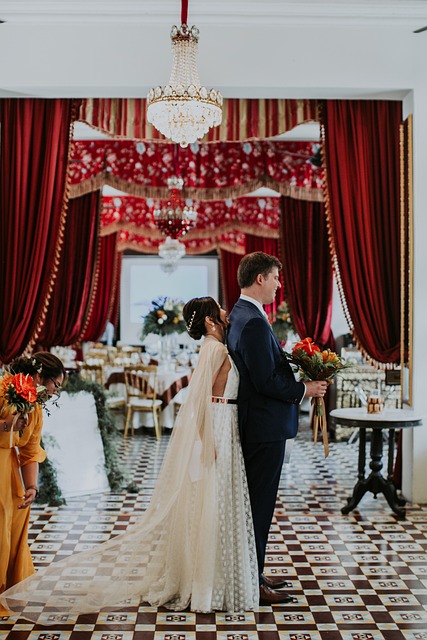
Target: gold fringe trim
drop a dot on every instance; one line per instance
(297, 193)
(114, 283)
(134, 246)
(94, 183)
(60, 238)
(115, 288)
(218, 193)
(95, 276)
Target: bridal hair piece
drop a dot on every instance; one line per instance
(190, 324)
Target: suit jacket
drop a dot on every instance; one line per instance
(269, 395)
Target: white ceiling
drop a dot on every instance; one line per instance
(248, 48)
(407, 14)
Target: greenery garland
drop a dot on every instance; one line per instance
(50, 492)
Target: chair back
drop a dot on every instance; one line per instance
(141, 381)
(97, 354)
(92, 372)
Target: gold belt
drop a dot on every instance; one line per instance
(224, 400)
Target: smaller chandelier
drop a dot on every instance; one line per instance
(183, 110)
(175, 218)
(171, 250)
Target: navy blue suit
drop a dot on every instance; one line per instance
(268, 402)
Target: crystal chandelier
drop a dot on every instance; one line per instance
(171, 250)
(183, 110)
(175, 218)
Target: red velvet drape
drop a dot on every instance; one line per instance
(115, 296)
(270, 246)
(228, 265)
(33, 169)
(103, 297)
(71, 293)
(361, 148)
(307, 269)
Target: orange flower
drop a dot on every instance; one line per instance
(24, 386)
(306, 345)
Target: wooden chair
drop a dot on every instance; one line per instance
(92, 372)
(95, 373)
(140, 383)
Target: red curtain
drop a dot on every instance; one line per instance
(307, 269)
(33, 170)
(270, 246)
(228, 265)
(115, 296)
(103, 295)
(361, 148)
(71, 293)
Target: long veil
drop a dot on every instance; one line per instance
(168, 554)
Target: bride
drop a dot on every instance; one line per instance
(194, 546)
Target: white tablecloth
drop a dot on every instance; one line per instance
(167, 374)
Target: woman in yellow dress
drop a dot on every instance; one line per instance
(20, 455)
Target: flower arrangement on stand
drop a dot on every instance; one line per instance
(315, 364)
(281, 323)
(164, 318)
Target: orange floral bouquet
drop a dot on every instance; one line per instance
(315, 364)
(21, 394)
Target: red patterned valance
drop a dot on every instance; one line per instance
(242, 119)
(257, 216)
(210, 171)
(232, 241)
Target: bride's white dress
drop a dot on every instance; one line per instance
(194, 546)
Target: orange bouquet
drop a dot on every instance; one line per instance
(315, 364)
(21, 395)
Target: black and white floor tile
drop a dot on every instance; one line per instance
(362, 576)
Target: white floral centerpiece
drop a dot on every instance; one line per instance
(164, 318)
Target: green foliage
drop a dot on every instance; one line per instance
(281, 322)
(319, 365)
(49, 492)
(164, 318)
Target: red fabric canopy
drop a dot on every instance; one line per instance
(242, 119)
(210, 171)
(259, 216)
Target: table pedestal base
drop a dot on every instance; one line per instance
(375, 482)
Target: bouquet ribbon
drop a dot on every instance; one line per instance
(319, 423)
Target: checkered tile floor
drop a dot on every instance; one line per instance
(357, 577)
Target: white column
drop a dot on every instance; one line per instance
(414, 485)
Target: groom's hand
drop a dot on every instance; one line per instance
(315, 389)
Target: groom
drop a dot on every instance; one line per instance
(268, 400)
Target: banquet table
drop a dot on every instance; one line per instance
(170, 381)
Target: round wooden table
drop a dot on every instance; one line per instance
(390, 419)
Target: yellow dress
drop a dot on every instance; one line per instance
(15, 452)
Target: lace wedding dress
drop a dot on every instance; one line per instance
(193, 547)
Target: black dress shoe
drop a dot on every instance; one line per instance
(270, 596)
(274, 582)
